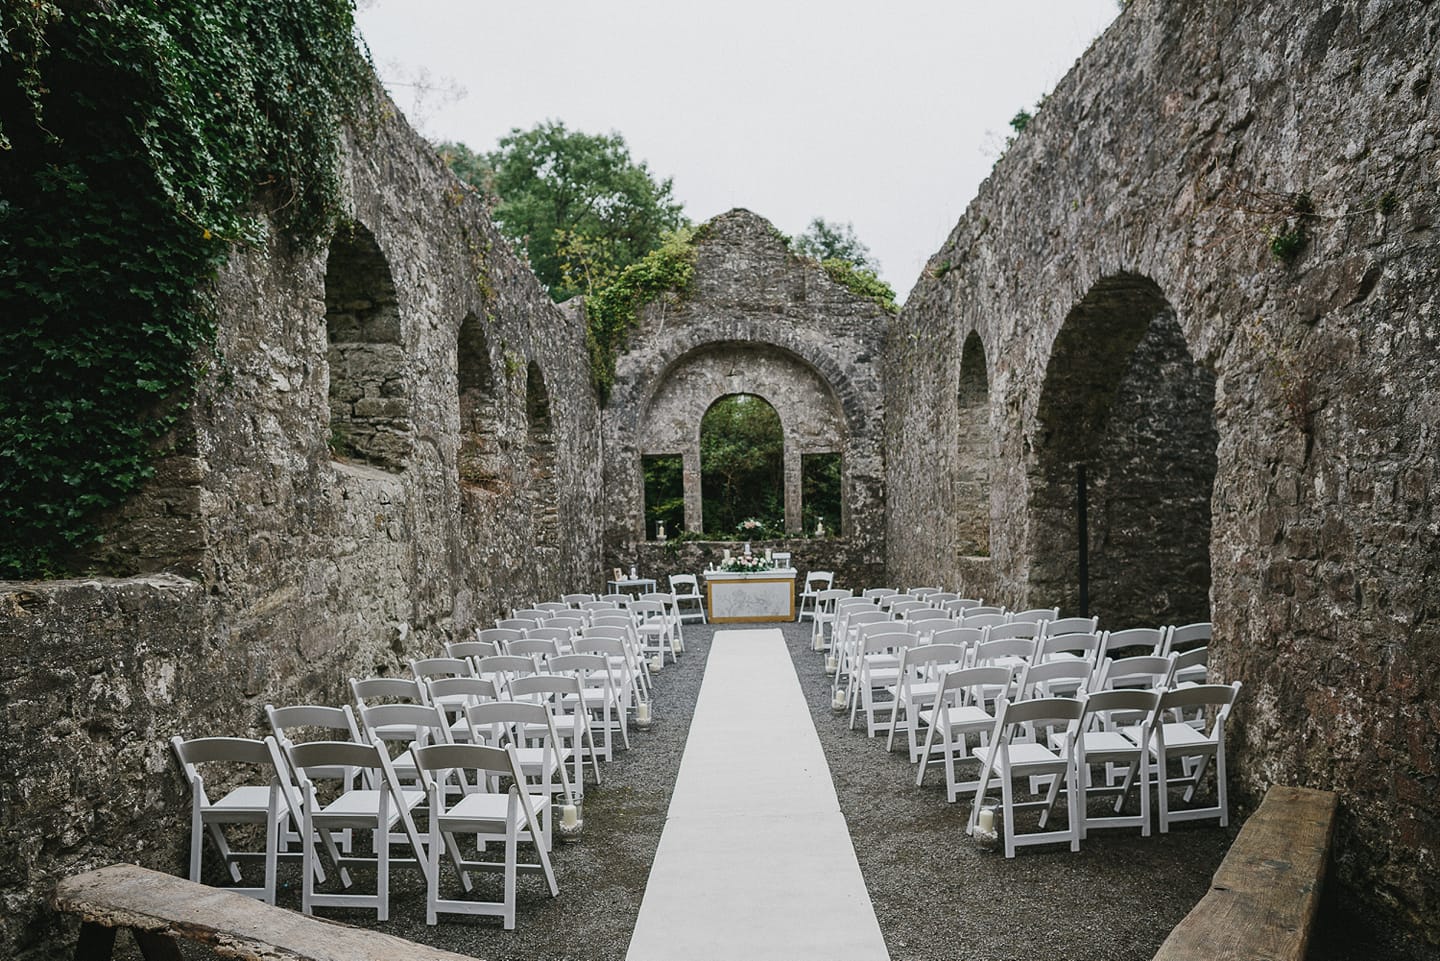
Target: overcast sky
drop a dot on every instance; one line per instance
(886, 115)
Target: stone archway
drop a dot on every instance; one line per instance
(1124, 399)
(972, 452)
(810, 415)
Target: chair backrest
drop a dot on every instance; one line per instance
(435, 763)
(1084, 646)
(1070, 625)
(515, 723)
(575, 600)
(1216, 699)
(781, 559)
(472, 649)
(404, 722)
(1150, 640)
(684, 585)
(229, 750)
(901, 603)
(1119, 708)
(850, 620)
(521, 624)
(535, 614)
(1187, 660)
(473, 690)
(968, 636)
(1005, 632)
(819, 580)
(1035, 615)
(975, 682)
(926, 660)
(1186, 636)
(876, 593)
(1040, 711)
(545, 687)
(553, 607)
(923, 613)
(621, 599)
(538, 647)
(936, 598)
(647, 610)
(883, 641)
(554, 636)
(1036, 679)
(504, 665)
(289, 723)
(373, 690)
(599, 605)
(562, 622)
(961, 605)
(588, 643)
(500, 636)
(994, 619)
(1144, 671)
(1016, 647)
(427, 667)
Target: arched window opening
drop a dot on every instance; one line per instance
(1124, 399)
(742, 467)
(540, 446)
(479, 463)
(369, 383)
(972, 453)
(664, 494)
(822, 492)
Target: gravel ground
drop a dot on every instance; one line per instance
(936, 895)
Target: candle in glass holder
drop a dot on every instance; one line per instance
(986, 821)
(569, 815)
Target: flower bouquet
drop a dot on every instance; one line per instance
(746, 564)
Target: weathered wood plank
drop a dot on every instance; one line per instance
(1263, 898)
(127, 896)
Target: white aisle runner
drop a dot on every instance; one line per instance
(755, 861)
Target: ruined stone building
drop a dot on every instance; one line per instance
(1208, 274)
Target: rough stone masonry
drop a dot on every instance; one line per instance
(405, 442)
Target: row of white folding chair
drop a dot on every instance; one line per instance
(536, 775)
(1079, 737)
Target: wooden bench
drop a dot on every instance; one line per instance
(1263, 898)
(160, 910)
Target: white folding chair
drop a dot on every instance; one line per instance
(815, 582)
(1101, 743)
(564, 696)
(379, 808)
(530, 729)
(271, 803)
(1193, 749)
(1047, 763)
(824, 615)
(961, 707)
(1188, 636)
(689, 602)
(876, 668)
(920, 673)
(601, 698)
(509, 815)
(1135, 641)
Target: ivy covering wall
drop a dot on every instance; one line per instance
(138, 142)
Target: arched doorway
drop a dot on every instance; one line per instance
(972, 452)
(742, 467)
(1125, 405)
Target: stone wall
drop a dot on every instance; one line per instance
(1160, 170)
(755, 319)
(333, 516)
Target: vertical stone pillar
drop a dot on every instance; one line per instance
(793, 515)
(694, 518)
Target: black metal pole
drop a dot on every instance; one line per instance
(1083, 522)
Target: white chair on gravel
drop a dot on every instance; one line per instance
(876, 668)
(1194, 750)
(920, 670)
(824, 616)
(509, 815)
(656, 629)
(603, 698)
(1047, 763)
(964, 704)
(689, 602)
(815, 582)
(1101, 743)
(379, 808)
(272, 802)
(564, 697)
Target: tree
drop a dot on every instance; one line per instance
(826, 241)
(577, 204)
(742, 464)
(469, 166)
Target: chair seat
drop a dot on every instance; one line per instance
(250, 799)
(359, 808)
(487, 808)
(1102, 743)
(1022, 756)
(965, 717)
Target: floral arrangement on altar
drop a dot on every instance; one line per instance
(746, 564)
(751, 527)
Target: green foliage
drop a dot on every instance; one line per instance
(469, 166)
(1289, 241)
(862, 282)
(820, 491)
(742, 464)
(612, 309)
(824, 241)
(664, 493)
(138, 138)
(577, 204)
(1021, 120)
